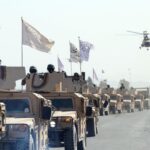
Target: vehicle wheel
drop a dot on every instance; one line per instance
(140, 108)
(70, 139)
(114, 110)
(128, 109)
(132, 110)
(119, 111)
(91, 127)
(101, 112)
(82, 144)
(106, 113)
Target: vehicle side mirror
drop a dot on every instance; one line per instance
(89, 111)
(46, 113)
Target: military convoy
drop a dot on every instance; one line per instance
(55, 109)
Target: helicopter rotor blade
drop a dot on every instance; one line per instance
(135, 32)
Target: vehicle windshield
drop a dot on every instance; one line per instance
(16, 105)
(127, 97)
(91, 102)
(113, 97)
(62, 103)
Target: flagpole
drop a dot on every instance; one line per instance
(71, 67)
(21, 42)
(80, 62)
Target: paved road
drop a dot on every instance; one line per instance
(128, 131)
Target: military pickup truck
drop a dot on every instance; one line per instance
(27, 119)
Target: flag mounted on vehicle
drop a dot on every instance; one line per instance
(33, 38)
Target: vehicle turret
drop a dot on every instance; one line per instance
(53, 81)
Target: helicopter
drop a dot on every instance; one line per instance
(146, 39)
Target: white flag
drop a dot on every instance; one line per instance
(74, 53)
(85, 48)
(94, 75)
(60, 65)
(33, 38)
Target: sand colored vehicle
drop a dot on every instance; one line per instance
(128, 102)
(115, 103)
(68, 124)
(147, 103)
(139, 102)
(145, 91)
(2, 120)
(27, 118)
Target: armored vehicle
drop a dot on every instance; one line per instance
(115, 103)
(139, 102)
(2, 120)
(68, 124)
(128, 103)
(27, 118)
(92, 119)
(146, 93)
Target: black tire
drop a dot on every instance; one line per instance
(70, 139)
(101, 112)
(82, 144)
(128, 109)
(119, 111)
(91, 127)
(114, 110)
(132, 110)
(106, 113)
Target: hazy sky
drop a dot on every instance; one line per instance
(103, 23)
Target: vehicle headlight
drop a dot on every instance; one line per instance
(52, 124)
(18, 130)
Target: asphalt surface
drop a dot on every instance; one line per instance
(126, 131)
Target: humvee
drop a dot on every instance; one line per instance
(27, 118)
(2, 120)
(68, 124)
(139, 102)
(128, 103)
(146, 93)
(115, 103)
